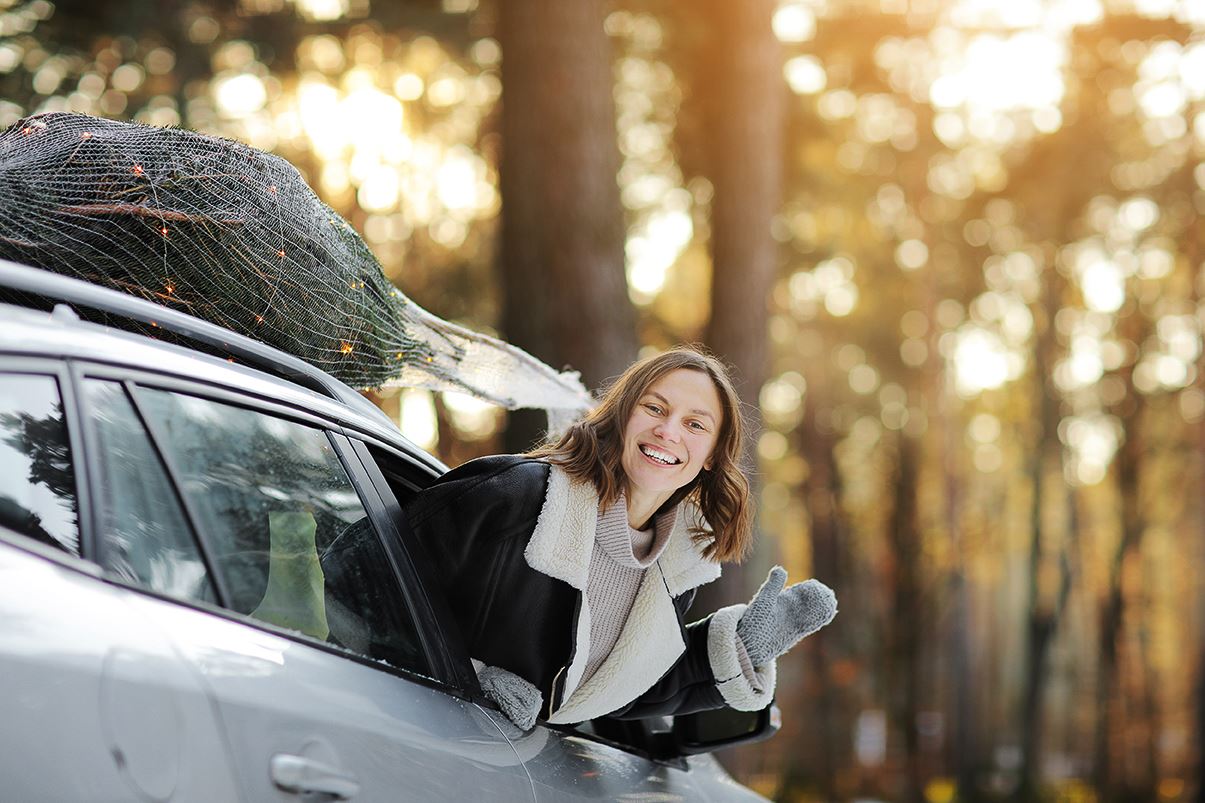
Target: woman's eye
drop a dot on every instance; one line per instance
(697, 425)
(653, 408)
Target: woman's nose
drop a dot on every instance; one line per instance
(667, 430)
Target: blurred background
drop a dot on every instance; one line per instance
(951, 247)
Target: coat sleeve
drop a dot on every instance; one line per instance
(709, 673)
(465, 521)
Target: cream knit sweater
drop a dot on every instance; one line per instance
(620, 558)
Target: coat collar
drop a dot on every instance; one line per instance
(563, 539)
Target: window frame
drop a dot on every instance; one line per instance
(456, 654)
(444, 676)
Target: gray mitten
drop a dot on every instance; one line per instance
(519, 700)
(777, 619)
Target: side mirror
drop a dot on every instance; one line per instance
(723, 727)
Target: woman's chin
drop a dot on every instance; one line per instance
(655, 482)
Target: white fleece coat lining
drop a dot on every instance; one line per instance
(651, 641)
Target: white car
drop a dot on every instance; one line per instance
(204, 596)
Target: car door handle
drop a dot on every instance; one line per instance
(305, 776)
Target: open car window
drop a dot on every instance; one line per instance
(397, 478)
(403, 477)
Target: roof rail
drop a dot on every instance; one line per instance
(77, 292)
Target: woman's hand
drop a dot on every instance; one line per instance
(777, 619)
(519, 700)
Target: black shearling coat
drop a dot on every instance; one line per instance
(477, 523)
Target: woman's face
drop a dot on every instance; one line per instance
(671, 433)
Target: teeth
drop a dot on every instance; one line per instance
(660, 456)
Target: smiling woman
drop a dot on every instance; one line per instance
(682, 404)
(570, 569)
(669, 439)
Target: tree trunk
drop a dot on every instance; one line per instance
(817, 442)
(1112, 778)
(963, 747)
(565, 295)
(906, 634)
(1045, 604)
(742, 92)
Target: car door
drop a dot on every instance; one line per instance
(325, 682)
(95, 704)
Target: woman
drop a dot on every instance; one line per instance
(570, 569)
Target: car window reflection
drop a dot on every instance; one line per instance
(286, 529)
(38, 499)
(146, 536)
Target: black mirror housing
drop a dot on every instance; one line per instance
(705, 731)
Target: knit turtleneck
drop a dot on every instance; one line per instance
(620, 558)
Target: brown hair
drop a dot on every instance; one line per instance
(591, 450)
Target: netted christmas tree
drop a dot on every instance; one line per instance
(234, 235)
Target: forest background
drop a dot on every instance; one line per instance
(951, 247)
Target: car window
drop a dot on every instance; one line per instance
(37, 484)
(403, 477)
(284, 526)
(145, 536)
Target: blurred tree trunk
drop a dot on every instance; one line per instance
(905, 636)
(565, 295)
(1195, 250)
(745, 114)
(816, 440)
(1113, 779)
(1046, 602)
(741, 93)
(964, 747)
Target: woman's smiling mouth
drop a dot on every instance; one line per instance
(658, 456)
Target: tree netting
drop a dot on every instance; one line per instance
(234, 235)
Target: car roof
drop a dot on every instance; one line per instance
(61, 334)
